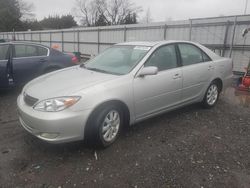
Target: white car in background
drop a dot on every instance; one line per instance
(125, 84)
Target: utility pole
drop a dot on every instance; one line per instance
(246, 7)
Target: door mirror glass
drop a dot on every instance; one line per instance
(148, 71)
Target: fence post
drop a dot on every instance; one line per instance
(50, 38)
(125, 34)
(225, 39)
(78, 40)
(165, 32)
(62, 41)
(31, 36)
(98, 40)
(232, 42)
(190, 29)
(40, 37)
(24, 36)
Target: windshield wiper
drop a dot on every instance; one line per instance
(100, 70)
(97, 70)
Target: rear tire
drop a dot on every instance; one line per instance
(104, 126)
(212, 95)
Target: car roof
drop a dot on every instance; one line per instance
(139, 43)
(153, 43)
(24, 42)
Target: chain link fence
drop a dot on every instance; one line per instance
(221, 34)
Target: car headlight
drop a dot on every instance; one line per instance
(56, 104)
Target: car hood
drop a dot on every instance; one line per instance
(65, 82)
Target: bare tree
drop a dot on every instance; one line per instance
(26, 10)
(119, 10)
(89, 11)
(110, 12)
(83, 12)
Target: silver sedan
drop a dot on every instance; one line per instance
(125, 84)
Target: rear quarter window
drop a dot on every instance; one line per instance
(206, 58)
(42, 51)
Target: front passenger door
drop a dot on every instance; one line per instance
(156, 93)
(4, 65)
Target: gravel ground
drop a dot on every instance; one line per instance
(190, 147)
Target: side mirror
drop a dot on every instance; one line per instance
(244, 32)
(148, 71)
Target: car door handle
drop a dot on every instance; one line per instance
(210, 67)
(176, 76)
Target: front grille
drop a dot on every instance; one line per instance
(30, 101)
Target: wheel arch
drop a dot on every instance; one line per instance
(219, 82)
(119, 103)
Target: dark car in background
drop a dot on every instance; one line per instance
(20, 62)
(4, 40)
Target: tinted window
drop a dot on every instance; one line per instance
(164, 58)
(29, 51)
(42, 51)
(190, 54)
(3, 52)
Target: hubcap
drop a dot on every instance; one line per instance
(110, 126)
(212, 94)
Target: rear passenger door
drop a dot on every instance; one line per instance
(28, 62)
(4, 65)
(197, 71)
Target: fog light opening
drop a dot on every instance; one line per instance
(49, 135)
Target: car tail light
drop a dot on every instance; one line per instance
(74, 60)
(246, 81)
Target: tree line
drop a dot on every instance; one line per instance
(18, 15)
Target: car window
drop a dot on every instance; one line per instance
(205, 57)
(190, 54)
(164, 58)
(20, 51)
(3, 52)
(29, 51)
(118, 59)
(42, 51)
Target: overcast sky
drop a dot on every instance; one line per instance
(161, 10)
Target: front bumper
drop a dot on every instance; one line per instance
(53, 127)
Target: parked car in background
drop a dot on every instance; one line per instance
(4, 40)
(21, 62)
(125, 84)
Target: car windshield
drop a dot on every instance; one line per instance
(118, 60)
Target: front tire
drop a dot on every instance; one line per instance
(212, 95)
(104, 125)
